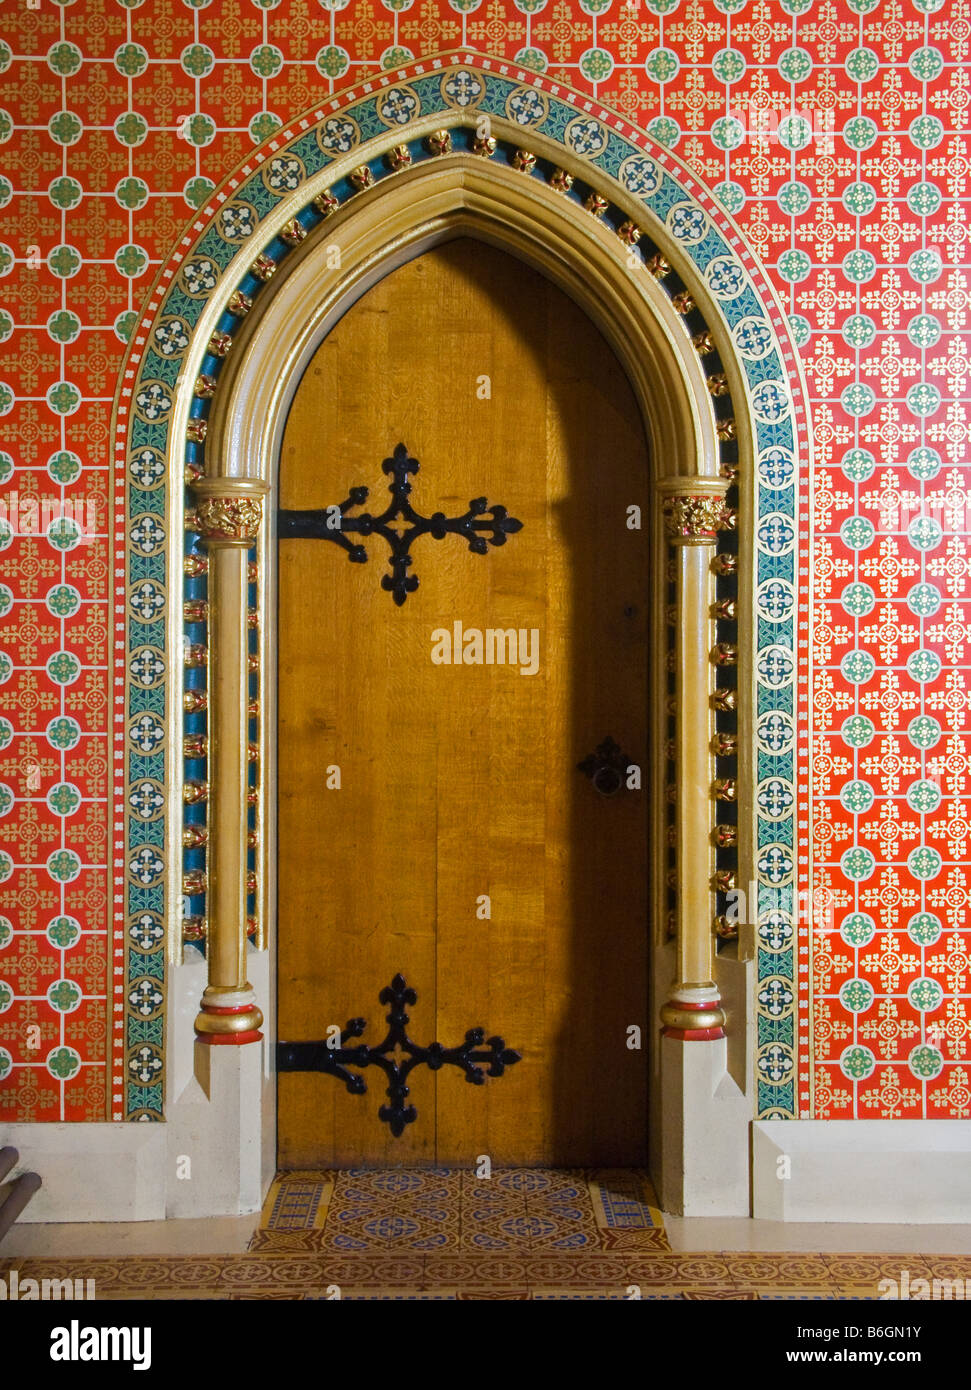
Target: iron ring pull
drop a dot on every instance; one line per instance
(607, 767)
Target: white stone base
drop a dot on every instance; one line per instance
(911, 1171)
(207, 1159)
(213, 1155)
(704, 1168)
(91, 1172)
(214, 1161)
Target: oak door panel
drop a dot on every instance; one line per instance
(459, 782)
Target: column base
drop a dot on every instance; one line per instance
(693, 1013)
(229, 1017)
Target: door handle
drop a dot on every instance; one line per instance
(606, 767)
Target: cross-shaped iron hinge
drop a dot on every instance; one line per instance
(334, 524)
(334, 1061)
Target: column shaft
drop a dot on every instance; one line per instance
(228, 681)
(693, 763)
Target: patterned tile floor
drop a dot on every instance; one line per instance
(431, 1211)
(427, 1234)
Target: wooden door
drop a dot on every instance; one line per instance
(463, 848)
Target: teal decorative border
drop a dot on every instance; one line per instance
(675, 207)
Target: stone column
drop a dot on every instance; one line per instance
(230, 513)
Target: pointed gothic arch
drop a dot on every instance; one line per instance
(453, 146)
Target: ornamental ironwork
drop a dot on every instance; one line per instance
(334, 1061)
(606, 767)
(481, 525)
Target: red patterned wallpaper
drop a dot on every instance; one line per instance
(836, 133)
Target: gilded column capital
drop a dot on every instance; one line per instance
(695, 518)
(229, 510)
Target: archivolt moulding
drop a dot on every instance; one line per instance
(373, 176)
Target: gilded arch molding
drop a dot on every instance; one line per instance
(556, 158)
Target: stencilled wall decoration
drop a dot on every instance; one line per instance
(668, 193)
(835, 135)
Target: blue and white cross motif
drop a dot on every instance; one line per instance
(640, 175)
(147, 733)
(775, 667)
(146, 667)
(526, 107)
(776, 467)
(775, 864)
(199, 276)
(462, 88)
(147, 600)
(153, 401)
(775, 732)
(586, 136)
(776, 534)
(146, 865)
(171, 338)
(398, 107)
(687, 222)
(770, 401)
(338, 135)
(776, 600)
(237, 222)
(147, 534)
(752, 337)
(146, 997)
(725, 278)
(147, 468)
(775, 798)
(284, 174)
(146, 800)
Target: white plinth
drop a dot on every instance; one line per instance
(704, 1168)
(862, 1170)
